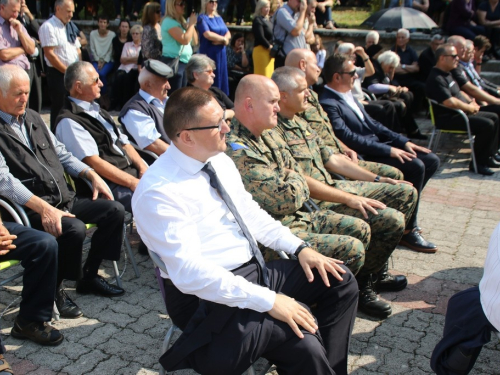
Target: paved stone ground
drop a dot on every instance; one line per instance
(459, 211)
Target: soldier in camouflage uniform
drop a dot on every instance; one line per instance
(279, 189)
(381, 201)
(274, 179)
(318, 120)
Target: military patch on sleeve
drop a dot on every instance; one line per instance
(238, 146)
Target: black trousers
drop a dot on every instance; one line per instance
(466, 330)
(57, 93)
(106, 240)
(384, 111)
(37, 252)
(238, 337)
(417, 171)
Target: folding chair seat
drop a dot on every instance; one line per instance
(441, 117)
(167, 341)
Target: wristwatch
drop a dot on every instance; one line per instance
(301, 247)
(377, 179)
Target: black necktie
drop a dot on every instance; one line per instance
(216, 184)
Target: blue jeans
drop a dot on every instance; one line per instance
(103, 74)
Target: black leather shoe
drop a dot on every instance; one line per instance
(496, 157)
(416, 242)
(418, 229)
(387, 282)
(98, 286)
(368, 302)
(67, 308)
(492, 163)
(482, 169)
(142, 248)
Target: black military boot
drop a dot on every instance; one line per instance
(387, 282)
(369, 303)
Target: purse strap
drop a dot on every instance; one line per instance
(274, 26)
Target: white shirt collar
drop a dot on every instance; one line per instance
(186, 163)
(86, 106)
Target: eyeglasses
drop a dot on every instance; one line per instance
(209, 71)
(218, 126)
(351, 73)
(454, 56)
(181, 4)
(213, 1)
(95, 81)
(158, 11)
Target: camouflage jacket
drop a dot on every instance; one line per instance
(318, 120)
(306, 147)
(267, 174)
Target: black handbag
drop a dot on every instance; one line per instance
(277, 50)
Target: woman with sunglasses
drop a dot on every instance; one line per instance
(214, 37)
(177, 35)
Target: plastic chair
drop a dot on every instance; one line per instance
(167, 341)
(440, 118)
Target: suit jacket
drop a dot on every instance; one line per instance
(368, 136)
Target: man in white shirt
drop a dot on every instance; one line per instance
(59, 53)
(142, 115)
(216, 277)
(472, 316)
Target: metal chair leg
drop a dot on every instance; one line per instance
(117, 274)
(129, 251)
(474, 163)
(166, 344)
(432, 138)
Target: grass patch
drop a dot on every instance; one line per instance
(350, 18)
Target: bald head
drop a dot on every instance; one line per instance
(256, 103)
(306, 61)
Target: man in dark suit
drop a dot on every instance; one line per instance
(374, 141)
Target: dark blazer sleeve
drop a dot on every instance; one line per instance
(385, 134)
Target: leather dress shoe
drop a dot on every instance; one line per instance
(387, 282)
(482, 169)
(418, 229)
(67, 308)
(99, 286)
(368, 302)
(39, 332)
(416, 242)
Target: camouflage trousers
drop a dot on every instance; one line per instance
(380, 169)
(388, 226)
(344, 239)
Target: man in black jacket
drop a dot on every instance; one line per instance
(32, 168)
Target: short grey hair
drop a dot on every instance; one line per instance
(285, 78)
(76, 72)
(345, 48)
(145, 76)
(389, 58)
(198, 63)
(6, 2)
(469, 44)
(8, 72)
(373, 34)
(59, 3)
(405, 32)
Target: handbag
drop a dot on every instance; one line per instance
(277, 50)
(174, 64)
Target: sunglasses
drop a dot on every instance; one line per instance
(213, 1)
(95, 81)
(454, 56)
(218, 126)
(351, 73)
(181, 4)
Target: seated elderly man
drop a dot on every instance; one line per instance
(32, 167)
(374, 141)
(472, 316)
(280, 186)
(442, 88)
(37, 252)
(317, 119)
(383, 85)
(427, 58)
(90, 134)
(192, 210)
(200, 73)
(142, 115)
(407, 72)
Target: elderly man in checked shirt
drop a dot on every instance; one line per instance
(32, 167)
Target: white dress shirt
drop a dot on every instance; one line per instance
(141, 126)
(181, 217)
(52, 33)
(349, 98)
(489, 286)
(78, 140)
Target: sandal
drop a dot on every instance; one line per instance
(39, 332)
(5, 368)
